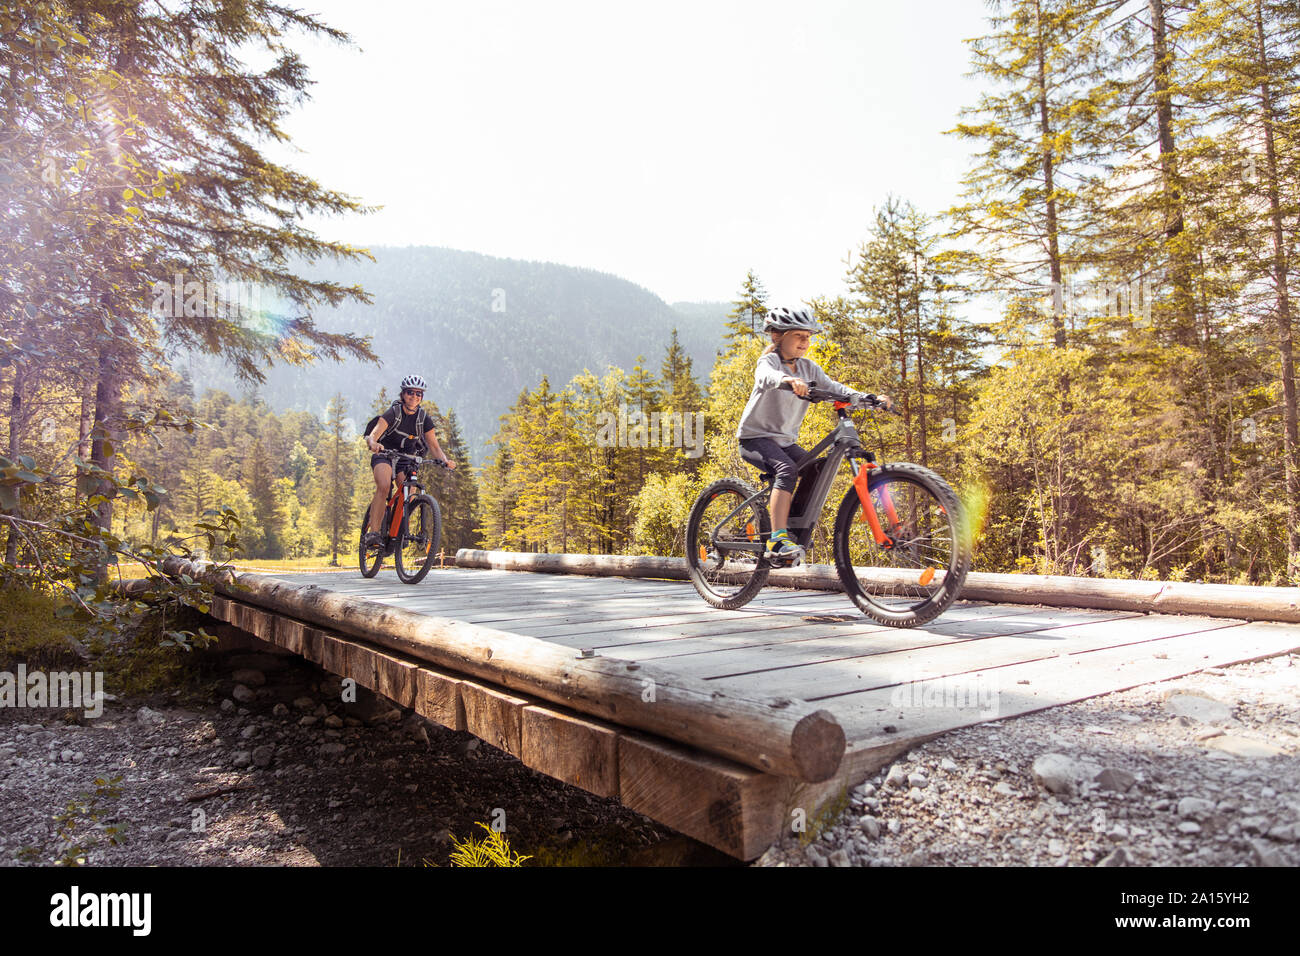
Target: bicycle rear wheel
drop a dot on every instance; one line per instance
(370, 558)
(417, 542)
(919, 570)
(727, 577)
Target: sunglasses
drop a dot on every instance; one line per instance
(413, 391)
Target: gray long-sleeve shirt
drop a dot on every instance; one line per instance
(775, 413)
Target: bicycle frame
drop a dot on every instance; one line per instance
(397, 497)
(842, 443)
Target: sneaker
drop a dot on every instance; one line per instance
(372, 539)
(782, 549)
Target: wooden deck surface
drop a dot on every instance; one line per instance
(890, 688)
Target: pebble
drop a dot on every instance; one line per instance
(243, 694)
(1055, 772)
(1203, 710)
(1115, 779)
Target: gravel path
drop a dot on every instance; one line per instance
(1199, 771)
(274, 768)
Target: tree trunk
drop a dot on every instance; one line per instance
(1053, 245)
(1184, 323)
(15, 449)
(1280, 265)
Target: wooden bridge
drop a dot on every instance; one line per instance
(720, 724)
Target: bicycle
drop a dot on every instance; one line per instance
(412, 525)
(900, 540)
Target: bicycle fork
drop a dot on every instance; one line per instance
(861, 477)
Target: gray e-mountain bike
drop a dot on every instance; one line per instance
(900, 540)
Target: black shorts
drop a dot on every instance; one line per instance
(408, 467)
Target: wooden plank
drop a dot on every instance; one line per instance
(799, 630)
(1050, 682)
(437, 696)
(385, 674)
(733, 808)
(289, 634)
(580, 751)
(494, 716)
(818, 682)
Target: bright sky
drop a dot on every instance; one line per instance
(673, 144)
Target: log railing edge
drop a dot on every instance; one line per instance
(1244, 602)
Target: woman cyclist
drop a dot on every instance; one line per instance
(404, 427)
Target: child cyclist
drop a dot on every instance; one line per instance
(769, 425)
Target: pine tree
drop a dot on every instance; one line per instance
(336, 510)
(745, 320)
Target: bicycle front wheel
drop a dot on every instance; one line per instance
(370, 558)
(417, 543)
(918, 569)
(725, 542)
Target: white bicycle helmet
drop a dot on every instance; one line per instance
(414, 381)
(790, 320)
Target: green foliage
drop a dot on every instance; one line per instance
(490, 850)
(81, 826)
(32, 631)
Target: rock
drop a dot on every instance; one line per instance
(1265, 855)
(1187, 826)
(1284, 833)
(251, 730)
(333, 720)
(1244, 747)
(896, 778)
(279, 710)
(262, 755)
(870, 826)
(1118, 857)
(242, 694)
(1256, 825)
(150, 718)
(814, 856)
(1005, 789)
(227, 705)
(249, 676)
(918, 780)
(1055, 847)
(1115, 779)
(1202, 710)
(241, 758)
(948, 766)
(1055, 772)
(306, 720)
(895, 826)
(303, 703)
(840, 858)
(915, 795)
(332, 751)
(1195, 808)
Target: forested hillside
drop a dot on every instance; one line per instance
(479, 329)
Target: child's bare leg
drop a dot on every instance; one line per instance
(781, 508)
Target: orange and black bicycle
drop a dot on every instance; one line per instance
(900, 542)
(412, 525)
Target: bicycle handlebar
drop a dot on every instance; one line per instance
(816, 394)
(390, 453)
